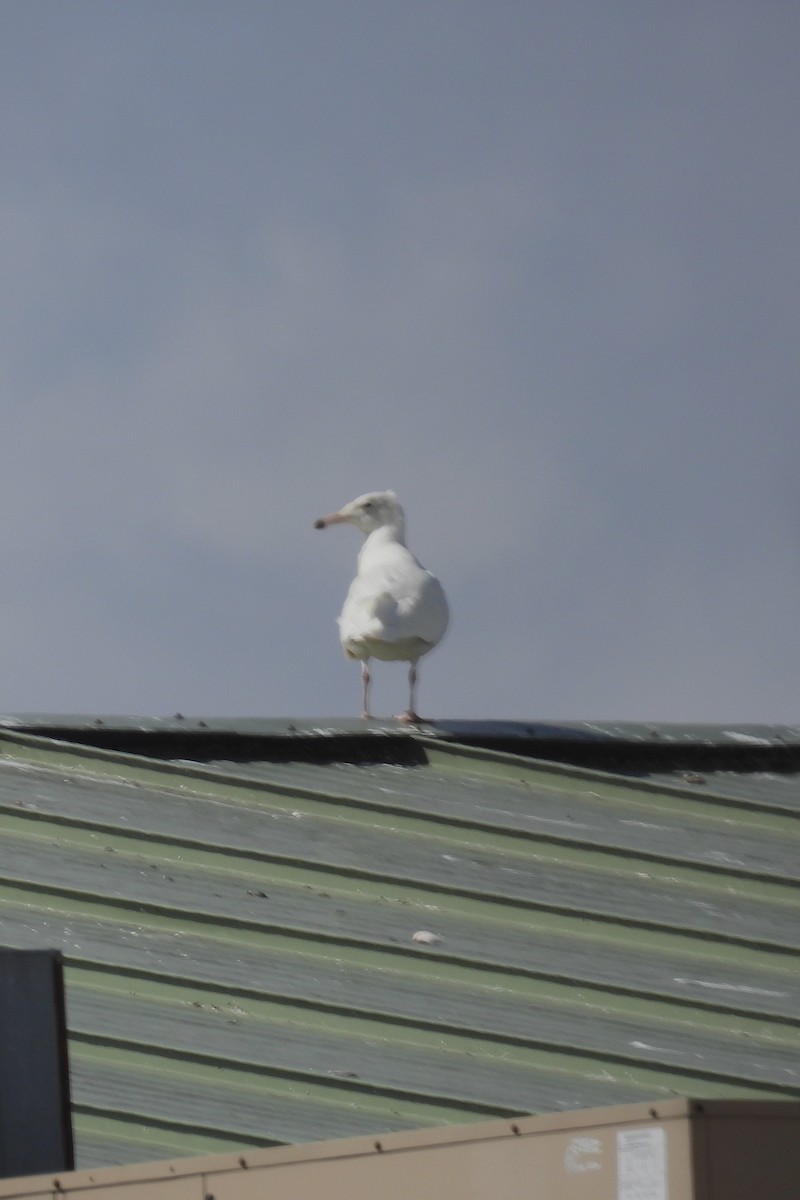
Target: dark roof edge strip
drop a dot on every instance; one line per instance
(471, 731)
(579, 742)
(189, 748)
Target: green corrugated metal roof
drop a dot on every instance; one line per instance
(238, 929)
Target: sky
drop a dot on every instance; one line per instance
(534, 266)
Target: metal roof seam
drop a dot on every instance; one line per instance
(337, 1083)
(509, 1040)
(83, 1107)
(205, 916)
(365, 1086)
(607, 778)
(532, 837)
(241, 991)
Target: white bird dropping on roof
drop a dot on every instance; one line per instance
(395, 610)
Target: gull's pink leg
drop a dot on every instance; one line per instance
(410, 717)
(365, 678)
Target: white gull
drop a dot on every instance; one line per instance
(395, 610)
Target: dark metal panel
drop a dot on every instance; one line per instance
(35, 1125)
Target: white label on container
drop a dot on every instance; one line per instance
(642, 1164)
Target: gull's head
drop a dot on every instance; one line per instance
(368, 513)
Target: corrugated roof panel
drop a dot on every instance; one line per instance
(239, 956)
(776, 788)
(530, 801)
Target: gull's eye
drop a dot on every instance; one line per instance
(367, 504)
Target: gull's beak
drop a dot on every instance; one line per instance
(332, 519)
